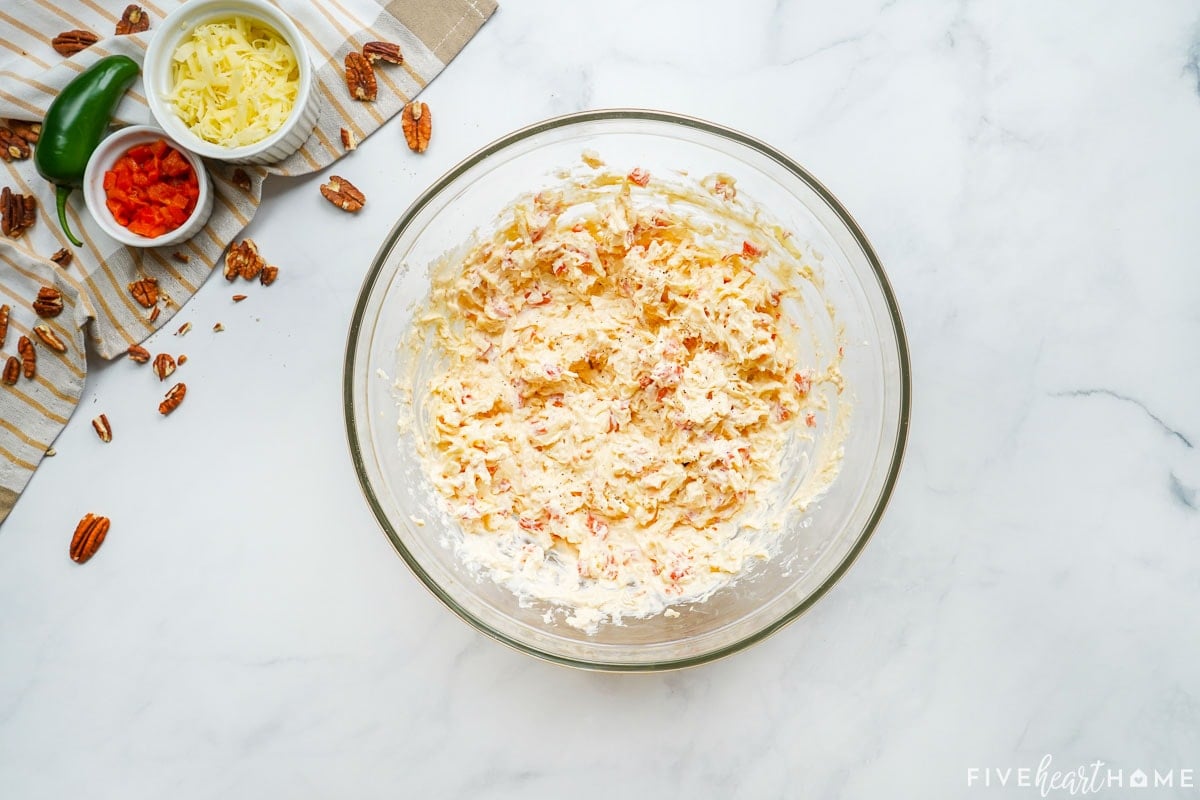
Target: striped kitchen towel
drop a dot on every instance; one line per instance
(99, 311)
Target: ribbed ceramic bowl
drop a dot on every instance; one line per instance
(156, 73)
(105, 156)
(816, 546)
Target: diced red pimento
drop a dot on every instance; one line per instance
(151, 189)
(639, 176)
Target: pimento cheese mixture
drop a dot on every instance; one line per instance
(612, 399)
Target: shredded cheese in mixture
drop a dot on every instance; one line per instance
(234, 82)
(613, 396)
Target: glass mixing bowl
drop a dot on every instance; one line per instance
(815, 548)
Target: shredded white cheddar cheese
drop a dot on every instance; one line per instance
(615, 390)
(234, 81)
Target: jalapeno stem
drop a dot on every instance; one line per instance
(61, 194)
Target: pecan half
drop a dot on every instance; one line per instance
(63, 257)
(343, 194)
(134, 20)
(145, 291)
(348, 142)
(49, 302)
(268, 276)
(50, 338)
(89, 535)
(243, 259)
(102, 428)
(12, 146)
(69, 43)
(360, 77)
(12, 370)
(164, 365)
(18, 212)
(139, 354)
(241, 179)
(417, 125)
(4, 310)
(383, 51)
(29, 131)
(28, 357)
(173, 398)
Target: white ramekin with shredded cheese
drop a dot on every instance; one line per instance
(231, 80)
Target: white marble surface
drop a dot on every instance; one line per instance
(1028, 172)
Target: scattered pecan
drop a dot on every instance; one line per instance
(69, 43)
(29, 131)
(182, 258)
(89, 535)
(12, 370)
(145, 291)
(153, 314)
(243, 259)
(50, 338)
(134, 20)
(383, 51)
(51, 452)
(12, 146)
(182, 359)
(173, 398)
(163, 365)
(49, 302)
(241, 179)
(183, 329)
(237, 298)
(417, 125)
(18, 212)
(4, 310)
(268, 276)
(343, 194)
(218, 327)
(102, 428)
(360, 77)
(28, 357)
(348, 142)
(139, 354)
(63, 257)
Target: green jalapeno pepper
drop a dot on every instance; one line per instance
(76, 122)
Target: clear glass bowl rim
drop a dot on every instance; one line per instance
(565, 120)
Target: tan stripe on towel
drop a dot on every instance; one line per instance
(20, 462)
(10, 46)
(56, 8)
(16, 101)
(101, 10)
(41, 87)
(36, 406)
(15, 431)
